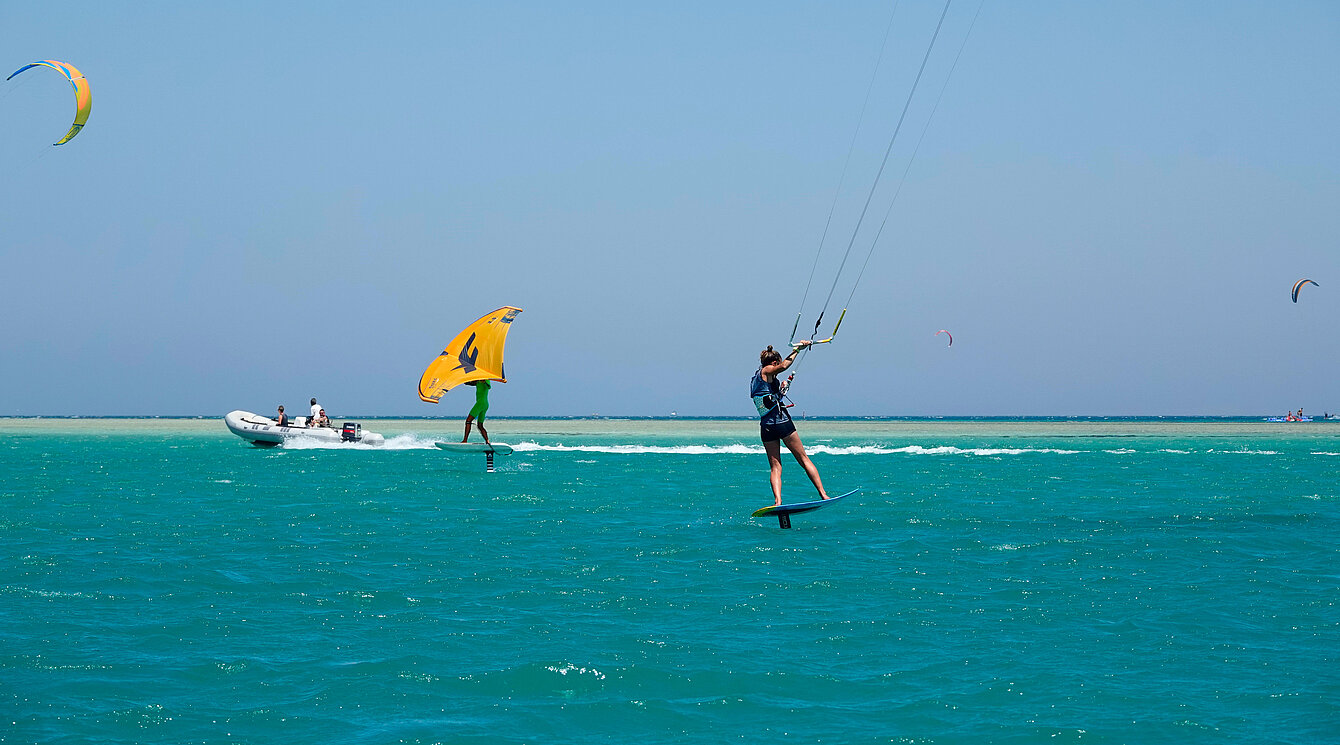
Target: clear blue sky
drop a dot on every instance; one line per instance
(273, 201)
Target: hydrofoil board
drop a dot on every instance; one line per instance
(785, 511)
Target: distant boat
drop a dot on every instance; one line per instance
(266, 432)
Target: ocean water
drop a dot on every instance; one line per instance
(161, 581)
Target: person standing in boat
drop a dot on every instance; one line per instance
(775, 425)
(316, 414)
(282, 419)
(480, 408)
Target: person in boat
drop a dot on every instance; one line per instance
(321, 419)
(282, 420)
(481, 407)
(316, 411)
(775, 425)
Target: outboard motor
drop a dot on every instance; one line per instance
(351, 432)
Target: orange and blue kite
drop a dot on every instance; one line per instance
(1299, 285)
(83, 99)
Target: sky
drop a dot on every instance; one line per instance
(272, 202)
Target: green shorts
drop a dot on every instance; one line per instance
(479, 410)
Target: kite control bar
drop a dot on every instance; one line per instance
(816, 328)
(797, 347)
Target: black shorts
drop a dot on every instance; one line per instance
(778, 431)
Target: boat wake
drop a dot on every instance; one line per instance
(427, 442)
(397, 442)
(741, 449)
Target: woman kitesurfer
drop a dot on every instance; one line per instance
(480, 408)
(775, 423)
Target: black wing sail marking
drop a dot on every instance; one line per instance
(469, 353)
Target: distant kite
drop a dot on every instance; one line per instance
(946, 333)
(83, 99)
(1299, 285)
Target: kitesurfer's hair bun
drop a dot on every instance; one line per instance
(769, 356)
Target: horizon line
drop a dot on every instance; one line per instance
(672, 417)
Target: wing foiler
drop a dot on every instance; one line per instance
(475, 354)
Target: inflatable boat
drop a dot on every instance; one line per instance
(266, 432)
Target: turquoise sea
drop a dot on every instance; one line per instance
(161, 581)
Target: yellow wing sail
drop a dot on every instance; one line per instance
(475, 354)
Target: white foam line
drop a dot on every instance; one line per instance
(739, 449)
(527, 447)
(951, 450)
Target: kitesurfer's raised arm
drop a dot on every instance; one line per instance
(771, 371)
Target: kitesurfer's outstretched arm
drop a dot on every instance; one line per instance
(775, 369)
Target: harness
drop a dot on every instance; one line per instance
(768, 397)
